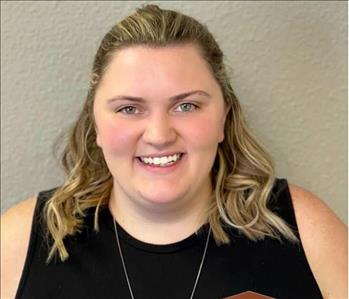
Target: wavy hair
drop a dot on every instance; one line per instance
(242, 174)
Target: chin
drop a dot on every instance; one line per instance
(161, 198)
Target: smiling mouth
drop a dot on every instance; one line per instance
(161, 162)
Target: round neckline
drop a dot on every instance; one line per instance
(190, 241)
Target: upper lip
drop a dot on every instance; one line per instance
(163, 154)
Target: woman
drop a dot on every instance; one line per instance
(168, 195)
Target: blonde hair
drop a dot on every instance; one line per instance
(242, 174)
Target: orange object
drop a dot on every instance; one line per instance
(249, 295)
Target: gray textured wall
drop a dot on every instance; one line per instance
(289, 62)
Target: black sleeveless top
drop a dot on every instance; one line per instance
(94, 268)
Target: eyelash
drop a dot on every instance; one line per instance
(123, 108)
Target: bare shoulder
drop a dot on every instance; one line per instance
(325, 241)
(16, 225)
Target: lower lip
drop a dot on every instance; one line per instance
(161, 169)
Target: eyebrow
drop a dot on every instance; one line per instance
(173, 98)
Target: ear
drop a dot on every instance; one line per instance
(98, 141)
(227, 107)
(98, 138)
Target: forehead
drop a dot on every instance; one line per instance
(143, 67)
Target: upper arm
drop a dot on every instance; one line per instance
(15, 233)
(325, 242)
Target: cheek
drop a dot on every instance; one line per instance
(115, 137)
(203, 132)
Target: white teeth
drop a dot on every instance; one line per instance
(162, 161)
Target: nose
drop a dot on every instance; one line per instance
(159, 131)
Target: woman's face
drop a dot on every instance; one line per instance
(155, 102)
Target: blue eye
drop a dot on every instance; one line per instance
(187, 107)
(128, 110)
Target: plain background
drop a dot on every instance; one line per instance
(289, 70)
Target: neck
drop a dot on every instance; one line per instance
(160, 223)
